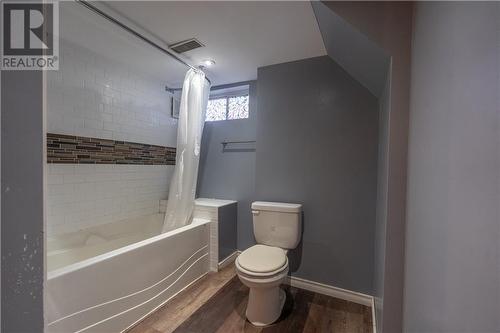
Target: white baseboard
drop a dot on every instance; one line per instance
(374, 319)
(228, 260)
(320, 288)
(336, 292)
(332, 291)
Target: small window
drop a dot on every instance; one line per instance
(227, 107)
(216, 109)
(237, 107)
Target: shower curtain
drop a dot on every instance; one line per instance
(182, 192)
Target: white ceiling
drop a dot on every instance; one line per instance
(80, 27)
(239, 36)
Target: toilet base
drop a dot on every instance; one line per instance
(265, 305)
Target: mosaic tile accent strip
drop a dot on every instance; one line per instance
(82, 150)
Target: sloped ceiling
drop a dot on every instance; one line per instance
(355, 52)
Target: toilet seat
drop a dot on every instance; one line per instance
(262, 260)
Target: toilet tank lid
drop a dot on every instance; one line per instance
(277, 206)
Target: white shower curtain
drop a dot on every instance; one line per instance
(182, 192)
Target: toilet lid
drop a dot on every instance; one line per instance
(262, 258)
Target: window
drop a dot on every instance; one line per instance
(227, 107)
(216, 109)
(237, 107)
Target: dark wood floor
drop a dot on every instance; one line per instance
(224, 311)
(304, 311)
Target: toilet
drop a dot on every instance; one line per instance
(263, 267)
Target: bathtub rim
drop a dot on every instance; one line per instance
(196, 222)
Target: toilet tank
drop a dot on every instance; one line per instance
(277, 224)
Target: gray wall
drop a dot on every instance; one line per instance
(452, 281)
(317, 145)
(22, 273)
(389, 24)
(231, 174)
(227, 223)
(360, 56)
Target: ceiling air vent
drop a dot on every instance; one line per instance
(186, 45)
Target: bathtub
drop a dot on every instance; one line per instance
(106, 278)
(72, 247)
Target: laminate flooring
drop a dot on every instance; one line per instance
(217, 302)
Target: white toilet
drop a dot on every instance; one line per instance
(263, 267)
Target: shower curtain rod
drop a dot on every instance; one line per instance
(138, 35)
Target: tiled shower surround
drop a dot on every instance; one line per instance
(83, 195)
(92, 96)
(126, 114)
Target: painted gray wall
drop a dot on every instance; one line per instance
(389, 24)
(22, 202)
(227, 223)
(317, 145)
(452, 278)
(231, 174)
(362, 58)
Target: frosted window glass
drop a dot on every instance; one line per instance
(238, 107)
(227, 107)
(216, 109)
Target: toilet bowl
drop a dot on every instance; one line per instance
(264, 267)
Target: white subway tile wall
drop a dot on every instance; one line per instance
(94, 96)
(83, 195)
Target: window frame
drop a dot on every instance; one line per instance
(227, 96)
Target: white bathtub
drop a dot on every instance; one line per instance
(69, 248)
(106, 278)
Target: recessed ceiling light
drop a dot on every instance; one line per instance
(208, 63)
